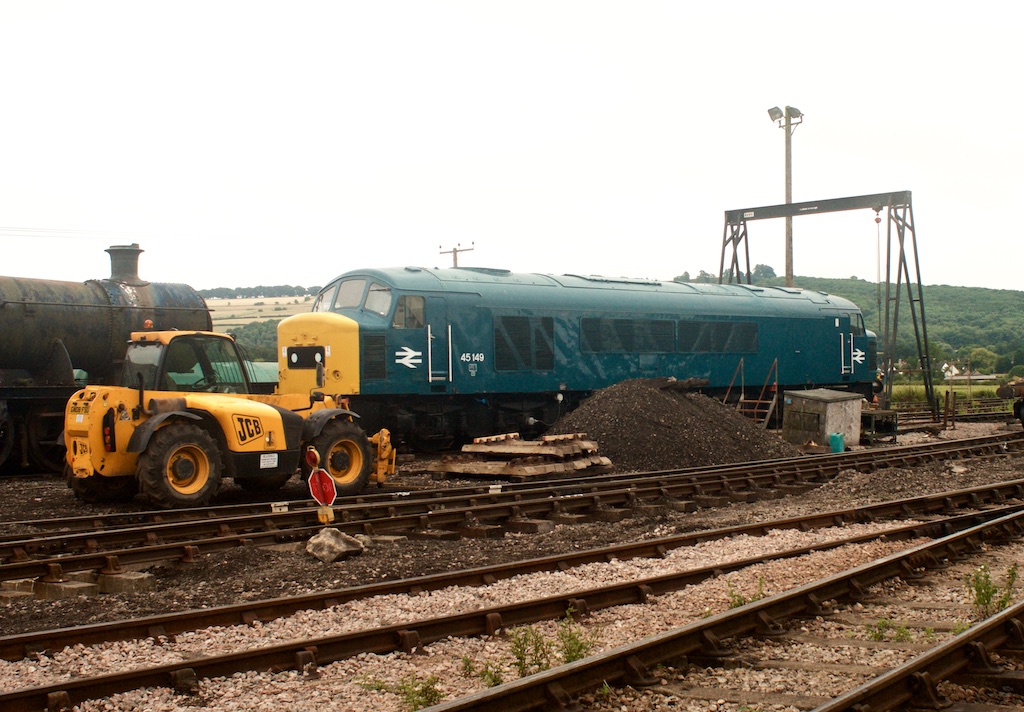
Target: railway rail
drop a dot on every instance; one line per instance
(108, 546)
(915, 680)
(630, 664)
(949, 505)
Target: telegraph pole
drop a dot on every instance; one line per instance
(454, 252)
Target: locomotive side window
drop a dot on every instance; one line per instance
(325, 299)
(524, 343)
(409, 313)
(627, 335)
(857, 325)
(717, 337)
(350, 294)
(378, 299)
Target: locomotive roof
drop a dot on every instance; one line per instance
(532, 288)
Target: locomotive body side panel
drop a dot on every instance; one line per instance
(460, 352)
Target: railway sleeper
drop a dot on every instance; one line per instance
(185, 681)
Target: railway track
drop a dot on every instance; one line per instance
(956, 536)
(959, 509)
(961, 505)
(736, 638)
(113, 543)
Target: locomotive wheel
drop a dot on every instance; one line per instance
(346, 455)
(181, 467)
(102, 489)
(45, 446)
(264, 483)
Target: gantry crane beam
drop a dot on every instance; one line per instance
(900, 225)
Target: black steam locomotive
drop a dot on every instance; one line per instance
(56, 336)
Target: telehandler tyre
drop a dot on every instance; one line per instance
(181, 467)
(346, 455)
(101, 489)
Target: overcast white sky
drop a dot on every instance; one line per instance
(244, 143)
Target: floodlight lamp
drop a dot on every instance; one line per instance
(793, 112)
(775, 113)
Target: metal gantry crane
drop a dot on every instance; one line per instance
(900, 226)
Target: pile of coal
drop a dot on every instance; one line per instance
(659, 424)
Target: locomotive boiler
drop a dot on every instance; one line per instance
(56, 336)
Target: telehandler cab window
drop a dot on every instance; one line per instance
(202, 365)
(141, 359)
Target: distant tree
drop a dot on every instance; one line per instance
(258, 338)
(281, 290)
(684, 277)
(706, 277)
(762, 273)
(983, 360)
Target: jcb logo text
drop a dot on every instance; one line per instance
(247, 428)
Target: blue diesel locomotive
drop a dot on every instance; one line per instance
(438, 355)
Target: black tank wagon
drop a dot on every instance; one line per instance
(52, 330)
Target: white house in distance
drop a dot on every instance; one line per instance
(954, 375)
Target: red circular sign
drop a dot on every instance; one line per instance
(321, 486)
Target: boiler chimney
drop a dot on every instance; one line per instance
(124, 263)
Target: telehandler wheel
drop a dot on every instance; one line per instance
(181, 467)
(102, 489)
(346, 455)
(264, 483)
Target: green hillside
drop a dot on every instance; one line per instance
(965, 324)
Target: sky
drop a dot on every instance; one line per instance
(246, 142)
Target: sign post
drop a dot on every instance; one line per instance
(321, 487)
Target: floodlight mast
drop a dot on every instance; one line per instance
(788, 120)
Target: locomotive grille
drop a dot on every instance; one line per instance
(524, 343)
(372, 356)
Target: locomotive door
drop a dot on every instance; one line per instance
(852, 345)
(439, 344)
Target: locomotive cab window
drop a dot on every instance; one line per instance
(378, 299)
(857, 325)
(410, 312)
(325, 299)
(350, 294)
